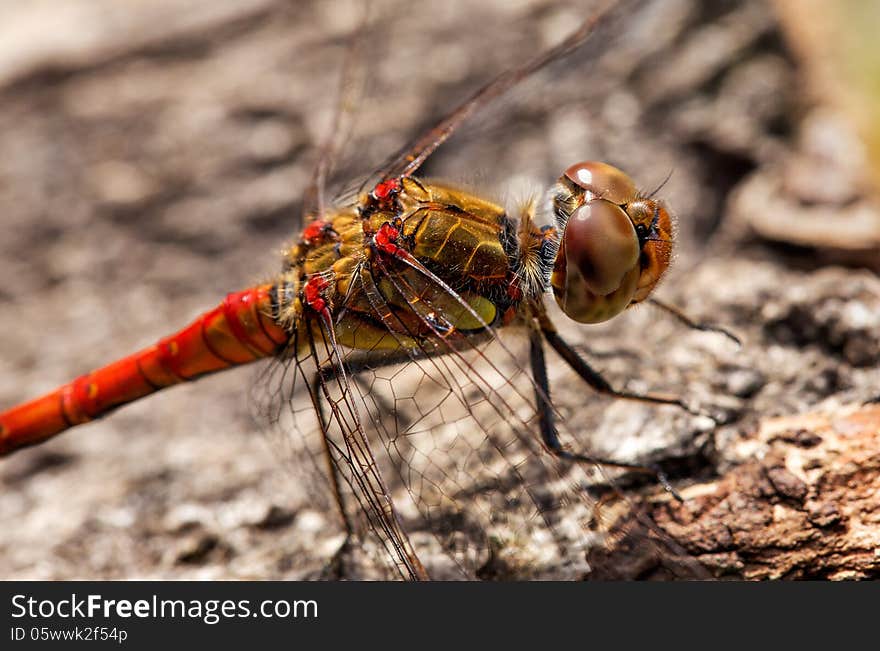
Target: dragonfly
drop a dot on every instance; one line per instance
(389, 316)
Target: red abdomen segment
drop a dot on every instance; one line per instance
(238, 331)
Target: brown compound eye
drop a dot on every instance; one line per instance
(596, 272)
(600, 241)
(602, 181)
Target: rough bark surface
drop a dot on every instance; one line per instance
(801, 505)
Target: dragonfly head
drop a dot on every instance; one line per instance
(615, 244)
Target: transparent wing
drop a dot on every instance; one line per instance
(351, 87)
(472, 466)
(314, 398)
(408, 160)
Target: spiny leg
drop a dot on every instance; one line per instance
(546, 417)
(683, 318)
(599, 383)
(358, 363)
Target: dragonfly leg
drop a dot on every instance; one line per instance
(547, 423)
(683, 318)
(599, 383)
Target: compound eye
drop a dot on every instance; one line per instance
(602, 181)
(601, 244)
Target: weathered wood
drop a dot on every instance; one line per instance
(804, 504)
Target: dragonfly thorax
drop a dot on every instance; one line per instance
(408, 262)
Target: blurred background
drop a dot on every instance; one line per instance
(153, 155)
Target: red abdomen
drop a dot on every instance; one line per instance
(238, 331)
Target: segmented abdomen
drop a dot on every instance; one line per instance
(239, 330)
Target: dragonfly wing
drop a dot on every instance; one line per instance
(332, 454)
(458, 429)
(408, 160)
(351, 87)
(348, 447)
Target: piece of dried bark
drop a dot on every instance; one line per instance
(806, 505)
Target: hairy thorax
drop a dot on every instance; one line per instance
(379, 301)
